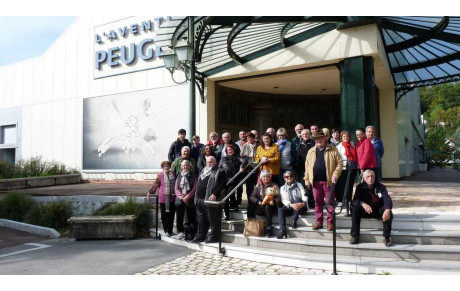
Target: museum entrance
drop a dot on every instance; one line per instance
(305, 97)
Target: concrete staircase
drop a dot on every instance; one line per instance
(422, 244)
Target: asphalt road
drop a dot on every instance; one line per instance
(92, 257)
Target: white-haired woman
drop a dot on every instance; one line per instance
(256, 205)
(185, 190)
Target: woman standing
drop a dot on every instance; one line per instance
(185, 192)
(269, 154)
(164, 183)
(350, 163)
(285, 153)
(205, 152)
(365, 152)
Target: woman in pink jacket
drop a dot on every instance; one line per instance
(165, 184)
(365, 151)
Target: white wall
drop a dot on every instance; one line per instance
(50, 89)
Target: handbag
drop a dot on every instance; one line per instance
(253, 227)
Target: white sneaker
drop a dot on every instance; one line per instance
(180, 235)
(339, 204)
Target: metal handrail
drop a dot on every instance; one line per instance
(156, 215)
(220, 202)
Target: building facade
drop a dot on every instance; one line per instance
(101, 100)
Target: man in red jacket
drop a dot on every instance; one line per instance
(365, 152)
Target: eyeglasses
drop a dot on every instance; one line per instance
(289, 176)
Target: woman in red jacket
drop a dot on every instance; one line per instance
(365, 151)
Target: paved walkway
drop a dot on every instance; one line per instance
(200, 263)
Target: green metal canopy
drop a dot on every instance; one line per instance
(421, 50)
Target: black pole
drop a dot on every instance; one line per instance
(191, 38)
(156, 217)
(221, 249)
(334, 246)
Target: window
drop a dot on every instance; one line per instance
(8, 134)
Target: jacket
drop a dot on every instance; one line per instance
(175, 149)
(216, 183)
(195, 152)
(231, 165)
(286, 157)
(342, 151)
(332, 160)
(366, 154)
(192, 180)
(302, 151)
(300, 194)
(176, 165)
(363, 191)
(159, 185)
(273, 153)
(201, 163)
(378, 149)
(258, 193)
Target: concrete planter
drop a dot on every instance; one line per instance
(68, 179)
(102, 227)
(34, 182)
(13, 184)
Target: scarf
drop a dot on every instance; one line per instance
(350, 151)
(168, 181)
(206, 172)
(184, 184)
(281, 144)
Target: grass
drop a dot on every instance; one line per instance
(129, 207)
(33, 167)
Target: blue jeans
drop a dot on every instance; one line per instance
(284, 211)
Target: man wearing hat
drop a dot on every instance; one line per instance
(323, 167)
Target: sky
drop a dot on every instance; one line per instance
(25, 37)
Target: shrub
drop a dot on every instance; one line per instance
(6, 170)
(53, 214)
(15, 206)
(129, 207)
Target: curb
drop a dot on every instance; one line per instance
(30, 228)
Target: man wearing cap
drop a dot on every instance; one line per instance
(323, 167)
(176, 146)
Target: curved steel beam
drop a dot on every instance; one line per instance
(429, 63)
(231, 37)
(419, 39)
(182, 28)
(285, 42)
(206, 37)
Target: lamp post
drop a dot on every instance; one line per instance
(181, 57)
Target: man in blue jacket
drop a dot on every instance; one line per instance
(371, 200)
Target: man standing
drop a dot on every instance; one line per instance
(214, 140)
(323, 167)
(272, 133)
(313, 128)
(371, 200)
(176, 146)
(306, 143)
(256, 136)
(249, 152)
(211, 182)
(195, 151)
(378, 150)
(185, 155)
(295, 143)
(243, 139)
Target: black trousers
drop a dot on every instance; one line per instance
(250, 184)
(208, 217)
(180, 212)
(265, 210)
(167, 218)
(358, 212)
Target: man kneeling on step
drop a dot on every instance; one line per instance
(371, 200)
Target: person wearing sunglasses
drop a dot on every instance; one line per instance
(294, 202)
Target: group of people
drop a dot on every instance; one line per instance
(298, 172)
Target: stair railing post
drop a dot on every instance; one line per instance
(156, 217)
(334, 233)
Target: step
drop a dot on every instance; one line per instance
(378, 250)
(345, 263)
(436, 237)
(419, 222)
